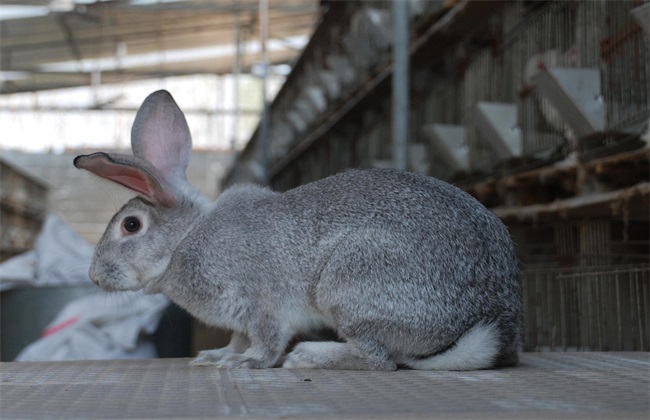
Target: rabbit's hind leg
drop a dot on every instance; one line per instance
(335, 355)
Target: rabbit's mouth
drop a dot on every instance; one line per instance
(111, 277)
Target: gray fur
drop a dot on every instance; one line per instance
(402, 266)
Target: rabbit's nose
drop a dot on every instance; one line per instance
(94, 274)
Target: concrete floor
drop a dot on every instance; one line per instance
(545, 385)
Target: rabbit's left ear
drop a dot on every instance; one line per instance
(132, 172)
(160, 136)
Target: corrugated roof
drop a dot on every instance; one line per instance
(121, 40)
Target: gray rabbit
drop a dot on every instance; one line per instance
(406, 269)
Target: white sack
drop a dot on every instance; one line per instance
(60, 256)
(101, 326)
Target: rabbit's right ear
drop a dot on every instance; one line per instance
(132, 172)
(160, 136)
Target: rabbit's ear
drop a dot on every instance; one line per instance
(160, 135)
(132, 172)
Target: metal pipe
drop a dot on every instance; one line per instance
(236, 71)
(400, 82)
(264, 124)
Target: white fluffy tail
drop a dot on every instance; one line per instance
(476, 349)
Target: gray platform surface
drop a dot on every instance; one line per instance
(545, 385)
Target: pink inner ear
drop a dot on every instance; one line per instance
(130, 171)
(134, 180)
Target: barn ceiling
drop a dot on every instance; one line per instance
(85, 42)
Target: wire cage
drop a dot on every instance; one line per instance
(587, 310)
(586, 285)
(624, 62)
(566, 44)
(489, 90)
(533, 40)
(556, 78)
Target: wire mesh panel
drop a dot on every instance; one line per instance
(597, 41)
(543, 37)
(586, 285)
(442, 100)
(489, 79)
(590, 309)
(625, 63)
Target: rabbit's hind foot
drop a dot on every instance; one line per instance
(230, 360)
(211, 357)
(335, 355)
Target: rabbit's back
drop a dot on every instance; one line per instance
(412, 253)
(419, 208)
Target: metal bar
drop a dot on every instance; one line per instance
(68, 109)
(400, 81)
(236, 71)
(603, 201)
(264, 123)
(70, 40)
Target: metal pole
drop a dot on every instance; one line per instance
(236, 72)
(400, 113)
(264, 124)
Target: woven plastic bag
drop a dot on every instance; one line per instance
(100, 326)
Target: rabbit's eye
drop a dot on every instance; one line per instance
(131, 224)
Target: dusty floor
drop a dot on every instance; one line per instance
(545, 385)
